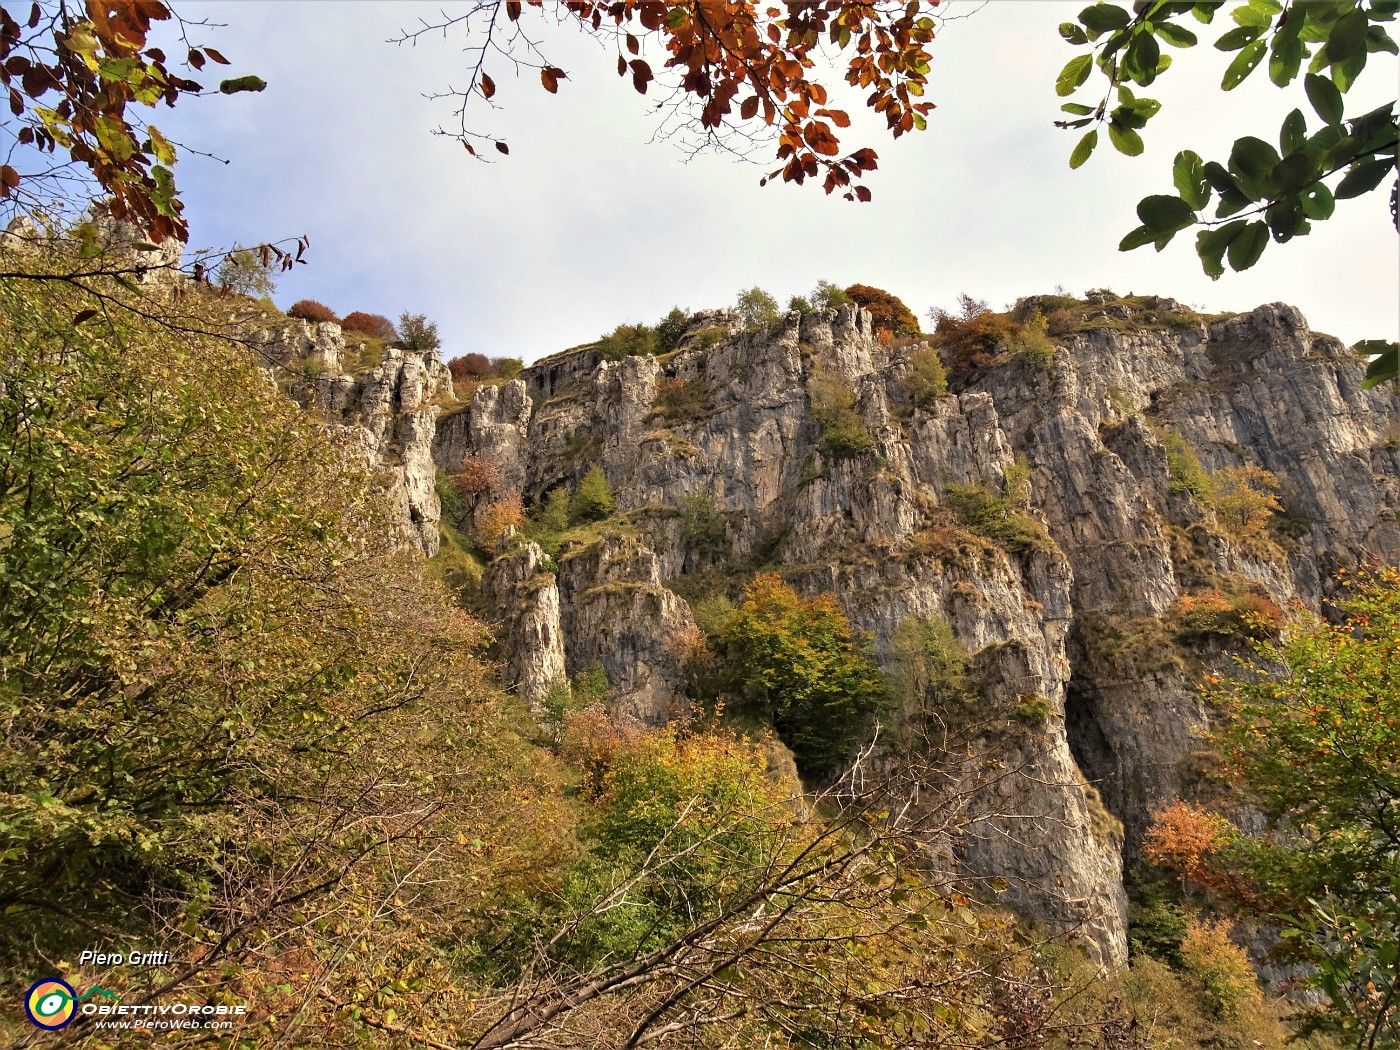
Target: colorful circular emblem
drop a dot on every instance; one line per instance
(50, 1003)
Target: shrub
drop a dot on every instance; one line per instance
(670, 329)
(834, 409)
(799, 304)
(1214, 614)
(1003, 519)
(627, 340)
(593, 500)
(757, 309)
(1184, 467)
(703, 527)
(376, 325)
(550, 520)
(828, 296)
(478, 475)
(417, 334)
(506, 367)
(498, 522)
(244, 272)
(887, 311)
(796, 661)
(1029, 343)
(1243, 501)
(970, 339)
(1231, 989)
(1182, 838)
(932, 665)
(678, 400)
(927, 380)
(311, 310)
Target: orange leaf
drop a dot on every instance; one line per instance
(837, 116)
(550, 82)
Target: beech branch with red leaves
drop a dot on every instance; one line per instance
(741, 72)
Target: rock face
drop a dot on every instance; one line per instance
(722, 465)
(388, 409)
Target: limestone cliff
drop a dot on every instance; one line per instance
(386, 407)
(1080, 627)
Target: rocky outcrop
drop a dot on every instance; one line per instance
(388, 409)
(721, 465)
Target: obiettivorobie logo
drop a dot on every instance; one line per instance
(52, 1003)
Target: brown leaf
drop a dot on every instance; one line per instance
(863, 193)
(84, 315)
(748, 109)
(9, 179)
(501, 147)
(550, 77)
(621, 66)
(633, 44)
(469, 148)
(513, 10)
(195, 59)
(216, 56)
(488, 86)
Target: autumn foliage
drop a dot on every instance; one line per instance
(311, 310)
(887, 310)
(738, 71)
(376, 325)
(1184, 838)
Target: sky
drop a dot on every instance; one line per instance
(589, 224)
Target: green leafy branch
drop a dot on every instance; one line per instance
(1260, 192)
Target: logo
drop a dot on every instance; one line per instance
(50, 1003)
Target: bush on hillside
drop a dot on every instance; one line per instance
(311, 310)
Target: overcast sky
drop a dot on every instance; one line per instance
(586, 224)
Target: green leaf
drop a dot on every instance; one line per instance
(1211, 246)
(1104, 17)
(1125, 140)
(1076, 71)
(1286, 220)
(1285, 59)
(1318, 202)
(1252, 157)
(1073, 33)
(1377, 39)
(1386, 366)
(1237, 38)
(1140, 61)
(1253, 15)
(1136, 239)
(1189, 179)
(1164, 213)
(1363, 178)
(1245, 249)
(1243, 65)
(1077, 108)
(1083, 148)
(1294, 133)
(1175, 35)
(1348, 37)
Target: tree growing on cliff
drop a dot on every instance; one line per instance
(887, 310)
(797, 663)
(1313, 739)
(417, 333)
(757, 309)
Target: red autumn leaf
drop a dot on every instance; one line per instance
(9, 179)
(863, 193)
(216, 56)
(749, 108)
(550, 77)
